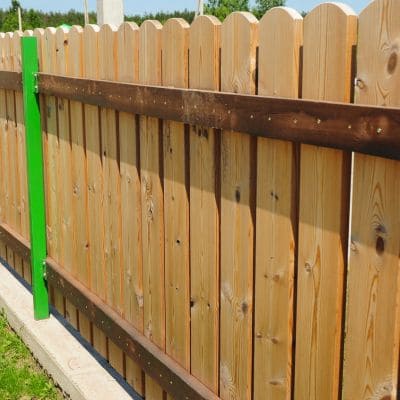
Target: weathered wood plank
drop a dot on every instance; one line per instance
(94, 180)
(329, 36)
(239, 40)
(371, 350)
(204, 73)
(108, 54)
(281, 36)
(131, 240)
(175, 41)
(151, 167)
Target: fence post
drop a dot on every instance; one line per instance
(34, 155)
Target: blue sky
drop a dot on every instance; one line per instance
(139, 7)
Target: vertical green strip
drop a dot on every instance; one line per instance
(34, 154)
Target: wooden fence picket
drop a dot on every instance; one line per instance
(239, 40)
(94, 179)
(151, 167)
(21, 187)
(175, 41)
(371, 351)
(204, 73)
(108, 56)
(281, 36)
(132, 269)
(79, 207)
(3, 147)
(329, 36)
(64, 176)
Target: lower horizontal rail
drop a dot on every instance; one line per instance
(173, 378)
(16, 242)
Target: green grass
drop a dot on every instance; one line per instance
(20, 376)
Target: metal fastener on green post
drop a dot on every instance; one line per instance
(34, 155)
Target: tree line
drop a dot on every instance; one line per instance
(32, 18)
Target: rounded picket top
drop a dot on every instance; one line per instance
(128, 50)
(378, 72)
(239, 41)
(240, 17)
(206, 20)
(175, 44)
(28, 33)
(333, 28)
(282, 13)
(62, 45)
(204, 45)
(75, 44)
(176, 23)
(107, 52)
(8, 41)
(150, 39)
(91, 51)
(281, 36)
(16, 51)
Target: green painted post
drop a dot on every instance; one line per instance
(34, 155)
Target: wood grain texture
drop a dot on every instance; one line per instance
(13, 218)
(131, 242)
(329, 36)
(281, 35)
(239, 40)
(3, 147)
(108, 70)
(79, 206)
(371, 349)
(94, 179)
(204, 72)
(22, 187)
(64, 176)
(11, 178)
(18, 154)
(175, 40)
(151, 167)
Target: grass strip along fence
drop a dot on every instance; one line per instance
(221, 199)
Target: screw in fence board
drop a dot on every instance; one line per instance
(34, 155)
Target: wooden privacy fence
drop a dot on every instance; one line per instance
(200, 253)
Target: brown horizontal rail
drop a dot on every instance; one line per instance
(365, 129)
(16, 242)
(11, 80)
(170, 375)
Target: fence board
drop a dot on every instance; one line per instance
(78, 195)
(11, 195)
(132, 285)
(108, 55)
(151, 173)
(281, 35)
(371, 352)
(204, 71)
(175, 37)
(3, 147)
(13, 219)
(329, 34)
(94, 179)
(239, 39)
(64, 178)
(21, 187)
